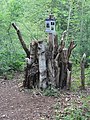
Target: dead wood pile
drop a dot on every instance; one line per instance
(47, 63)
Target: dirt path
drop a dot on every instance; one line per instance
(16, 105)
(22, 105)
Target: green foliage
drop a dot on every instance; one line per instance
(74, 111)
(87, 74)
(11, 61)
(51, 92)
(76, 114)
(30, 16)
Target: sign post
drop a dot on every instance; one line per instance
(50, 28)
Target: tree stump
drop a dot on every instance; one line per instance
(32, 68)
(42, 65)
(64, 66)
(48, 65)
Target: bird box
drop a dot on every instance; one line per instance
(50, 25)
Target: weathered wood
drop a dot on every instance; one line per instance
(70, 48)
(31, 77)
(63, 35)
(63, 76)
(82, 64)
(55, 45)
(25, 79)
(69, 71)
(57, 72)
(51, 54)
(32, 68)
(21, 40)
(61, 63)
(48, 65)
(68, 79)
(53, 67)
(42, 65)
(34, 51)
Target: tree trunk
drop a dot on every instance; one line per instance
(32, 68)
(51, 54)
(42, 65)
(63, 74)
(69, 71)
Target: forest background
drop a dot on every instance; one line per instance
(30, 15)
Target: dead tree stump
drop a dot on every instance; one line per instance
(49, 64)
(32, 68)
(51, 53)
(42, 65)
(64, 66)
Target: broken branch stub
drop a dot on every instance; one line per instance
(70, 48)
(21, 40)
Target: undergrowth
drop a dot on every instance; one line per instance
(51, 92)
(74, 113)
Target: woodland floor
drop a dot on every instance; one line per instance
(19, 104)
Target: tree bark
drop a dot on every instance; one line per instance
(69, 71)
(21, 40)
(42, 65)
(63, 76)
(49, 65)
(32, 68)
(34, 51)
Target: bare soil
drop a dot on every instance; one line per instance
(18, 104)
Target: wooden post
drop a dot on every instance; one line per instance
(82, 64)
(34, 51)
(69, 71)
(31, 70)
(52, 52)
(57, 66)
(42, 65)
(63, 76)
(50, 59)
